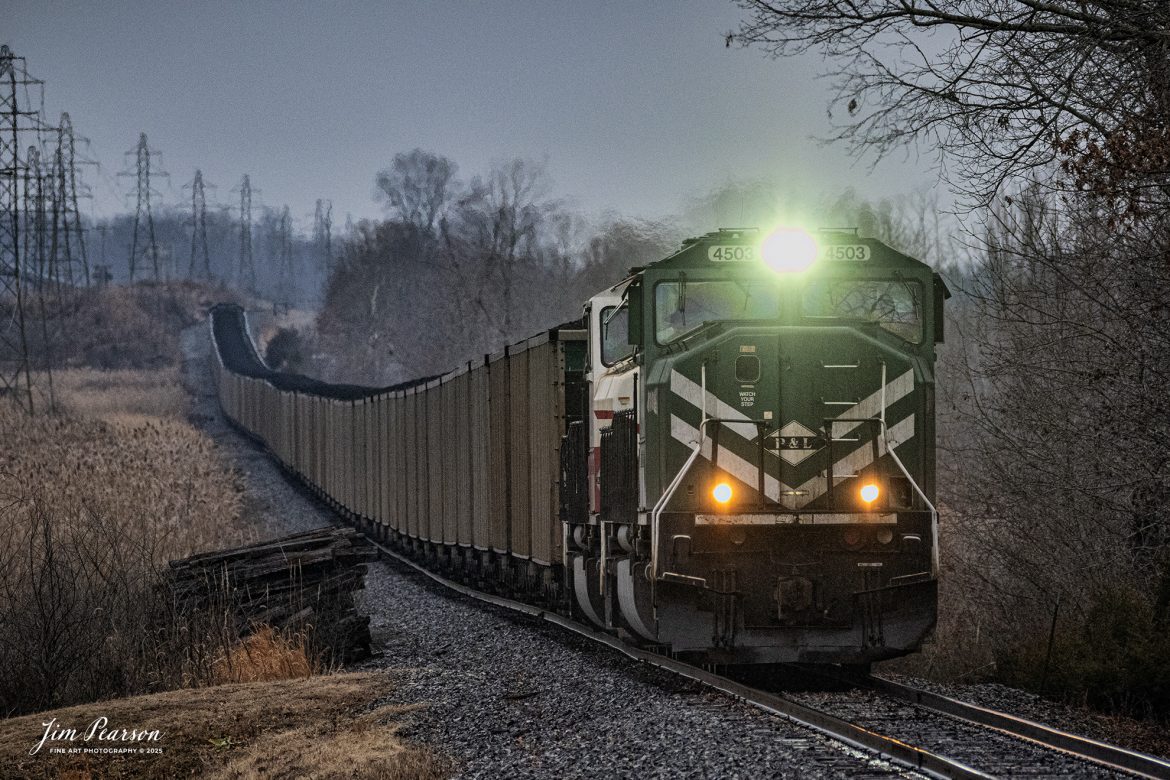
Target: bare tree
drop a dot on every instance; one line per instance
(1002, 88)
(498, 227)
(458, 271)
(618, 245)
(418, 187)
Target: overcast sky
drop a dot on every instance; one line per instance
(634, 105)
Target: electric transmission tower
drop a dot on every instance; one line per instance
(143, 245)
(37, 265)
(17, 120)
(73, 235)
(40, 263)
(323, 234)
(199, 229)
(101, 272)
(247, 268)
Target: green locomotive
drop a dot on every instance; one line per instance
(761, 461)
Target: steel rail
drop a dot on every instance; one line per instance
(837, 729)
(1093, 750)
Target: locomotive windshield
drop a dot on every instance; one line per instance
(895, 305)
(682, 306)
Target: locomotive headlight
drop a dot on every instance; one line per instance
(869, 493)
(721, 493)
(789, 250)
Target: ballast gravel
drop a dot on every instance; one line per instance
(990, 751)
(511, 696)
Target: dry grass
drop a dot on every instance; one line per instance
(264, 656)
(90, 513)
(161, 480)
(322, 727)
(130, 397)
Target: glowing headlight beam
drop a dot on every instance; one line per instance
(789, 250)
(721, 493)
(869, 493)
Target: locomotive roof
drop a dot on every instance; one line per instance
(697, 252)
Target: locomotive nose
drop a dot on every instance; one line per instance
(796, 419)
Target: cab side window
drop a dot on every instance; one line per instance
(615, 335)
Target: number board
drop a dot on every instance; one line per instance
(731, 254)
(847, 252)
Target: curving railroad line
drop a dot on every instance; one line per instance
(838, 729)
(842, 729)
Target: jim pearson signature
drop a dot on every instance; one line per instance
(95, 731)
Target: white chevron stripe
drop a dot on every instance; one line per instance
(734, 465)
(812, 489)
(854, 462)
(871, 406)
(867, 408)
(689, 391)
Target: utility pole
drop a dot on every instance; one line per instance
(199, 228)
(247, 268)
(143, 245)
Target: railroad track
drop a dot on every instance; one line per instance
(1093, 750)
(976, 741)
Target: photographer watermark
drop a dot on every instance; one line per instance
(96, 738)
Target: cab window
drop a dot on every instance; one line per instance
(680, 307)
(615, 335)
(894, 305)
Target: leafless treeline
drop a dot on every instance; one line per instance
(462, 268)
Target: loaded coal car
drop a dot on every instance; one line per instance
(729, 458)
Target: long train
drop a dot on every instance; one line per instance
(730, 457)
